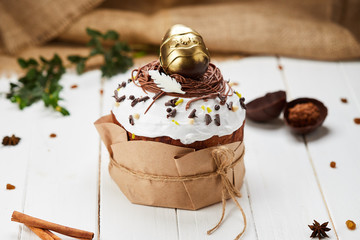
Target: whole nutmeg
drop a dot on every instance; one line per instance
(183, 51)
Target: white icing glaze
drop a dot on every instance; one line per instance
(155, 124)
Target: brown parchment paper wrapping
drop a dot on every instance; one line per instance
(160, 159)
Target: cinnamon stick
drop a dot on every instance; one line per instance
(39, 223)
(40, 233)
(52, 234)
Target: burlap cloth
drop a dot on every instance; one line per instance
(321, 29)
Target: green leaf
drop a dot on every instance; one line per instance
(56, 60)
(80, 67)
(33, 62)
(31, 74)
(41, 82)
(74, 58)
(22, 63)
(111, 35)
(43, 60)
(93, 33)
(94, 42)
(96, 51)
(64, 112)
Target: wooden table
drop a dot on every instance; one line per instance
(289, 181)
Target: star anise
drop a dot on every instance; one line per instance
(13, 140)
(319, 230)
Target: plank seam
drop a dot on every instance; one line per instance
(21, 230)
(177, 223)
(319, 186)
(251, 210)
(282, 73)
(101, 108)
(348, 86)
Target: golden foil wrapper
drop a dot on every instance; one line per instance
(183, 51)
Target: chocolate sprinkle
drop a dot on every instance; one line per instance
(208, 119)
(229, 105)
(131, 119)
(168, 110)
(144, 99)
(242, 103)
(116, 96)
(217, 107)
(123, 84)
(129, 80)
(134, 102)
(131, 97)
(222, 99)
(192, 114)
(122, 98)
(171, 102)
(172, 113)
(217, 120)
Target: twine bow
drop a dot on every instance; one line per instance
(224, 160)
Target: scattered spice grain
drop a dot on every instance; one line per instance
(333, 164)
(10, 186)
(10, 141)
(350, 224)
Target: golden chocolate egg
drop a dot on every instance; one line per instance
(183, 51)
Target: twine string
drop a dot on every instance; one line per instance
(224, 160)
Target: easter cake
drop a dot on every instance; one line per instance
(175, 132)
(181, 99)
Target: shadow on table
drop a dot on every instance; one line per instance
(318, 134)
(272, 125)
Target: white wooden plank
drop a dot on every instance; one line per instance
(351, 71)
(61, 179)
(336, 141)
(282, 188)
(13, 159)
(195, 224)
(119, 218)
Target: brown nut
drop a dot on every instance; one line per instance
(312, 125)
(266, 108)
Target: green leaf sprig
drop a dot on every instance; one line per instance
(41, 82)
(116, 57)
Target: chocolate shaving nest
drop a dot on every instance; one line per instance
(10, 141)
